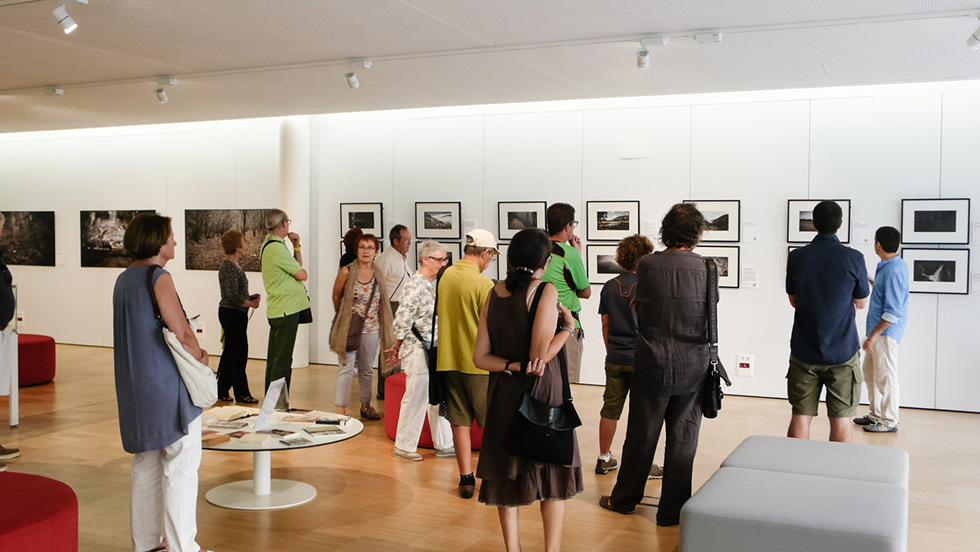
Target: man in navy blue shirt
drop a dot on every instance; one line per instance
(887, 316)
(826, 282)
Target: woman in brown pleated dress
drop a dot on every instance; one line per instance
(503, 346)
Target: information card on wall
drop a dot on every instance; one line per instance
(861, 233)
(750, 277)
(750, 231)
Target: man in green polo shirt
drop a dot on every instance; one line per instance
(567, 273)
(462, 290)
(283, 276)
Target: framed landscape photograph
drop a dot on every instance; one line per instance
(723, 217)
(366, 216)
(799, 220)
(936, 221)
(514, 216)
(727, 259)
(600, 262)
(611, 220)
(438, 221)
(28, 238)
(938, 270)
(102, 238)
(202, 237)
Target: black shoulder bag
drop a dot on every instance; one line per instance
(538, 431)
(305, 315)
(711, 392)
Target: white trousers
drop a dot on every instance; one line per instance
(8, 357)
(163, 495)
(361, 361)
(415, 404)
(881, 376)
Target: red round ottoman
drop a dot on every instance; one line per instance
(35, 359)
(394, 391)
(37, 514)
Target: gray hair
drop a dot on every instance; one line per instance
(2, 218)
(274, 218)
(428, 247)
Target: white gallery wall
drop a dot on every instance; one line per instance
(872, 145)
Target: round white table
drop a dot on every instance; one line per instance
(262, 492)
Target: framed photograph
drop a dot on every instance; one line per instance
(438, 221)
(724, 218)
(936, 221)
(28, 238)
(600, 262)
(454, 252)
(102, 238)
(727, 259)
(202, 237)
(368, 217)
(514, 216)
(799, 220)
(938, 270)
(611, 220)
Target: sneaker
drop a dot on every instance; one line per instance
(446, 453)
(656, 472)
(405, 455)
(603, 467)
(467, 485)
(863, 421)
(8, 453)
(879, 427)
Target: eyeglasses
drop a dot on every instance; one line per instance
(287, 221)
(574, 223)
(367, 247)
(439, 259)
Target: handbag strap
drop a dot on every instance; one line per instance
(566, 389)
(713, 320)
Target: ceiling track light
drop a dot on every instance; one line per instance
(351, 76)
(642, 57)
(708, 38)
(61, 17)
(162, 95)
(974, 40)
(161, 92)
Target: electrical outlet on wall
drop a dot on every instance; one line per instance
(200, 330)
(20, 321)
(744, 365)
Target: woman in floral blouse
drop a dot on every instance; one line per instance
(415, 311)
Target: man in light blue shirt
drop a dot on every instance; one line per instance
(887, 316)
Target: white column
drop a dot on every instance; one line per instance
(294, 198)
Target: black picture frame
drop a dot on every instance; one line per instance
(936, 221)
(438, 220)
(611, 220)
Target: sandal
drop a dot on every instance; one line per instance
(369, 413)
(226, 398)
(248, 399)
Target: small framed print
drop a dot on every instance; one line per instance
(600, 260)
(454, 252)
(727, 259)
(366, 216)
(938, 270)
(499, 266)
(611, 220)
(438, 221)
(514, 216)
(799, 220)
(723, 218)
(936, 221)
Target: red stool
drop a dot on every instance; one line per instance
(35, 359)
(37, 514)
(394, 391)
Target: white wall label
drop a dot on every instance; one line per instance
(750, 231)
(861, 233)
(976, 232)
(750, 277)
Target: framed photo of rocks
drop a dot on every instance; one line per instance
(936, 221)
(28, 238)
(101, 238)
(727, 259)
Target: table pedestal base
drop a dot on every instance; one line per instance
(241, 496)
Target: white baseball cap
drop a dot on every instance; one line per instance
(482, 238)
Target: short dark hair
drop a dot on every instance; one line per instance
(230, 241)
(827, 217)
(395, 233)
(889, 237)
(350, 239)
(682, 226)
(558, 216)
(369, 238)
(146, 234)
(630, 249)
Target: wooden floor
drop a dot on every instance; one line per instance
(369, 501)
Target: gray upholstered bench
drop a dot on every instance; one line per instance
(840, 460)
(747, 510)
(776, 493)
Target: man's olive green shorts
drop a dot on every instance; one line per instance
(843, 382)
(466, 398)
(617, 387)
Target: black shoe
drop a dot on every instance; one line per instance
(863, 421)
(467, 485)
(606, 502)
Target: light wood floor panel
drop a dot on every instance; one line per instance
(368, 501)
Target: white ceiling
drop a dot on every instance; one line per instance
(252, 58)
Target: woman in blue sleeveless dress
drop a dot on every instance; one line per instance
(158, 423)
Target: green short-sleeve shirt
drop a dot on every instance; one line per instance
(569, 266)
(285, 294)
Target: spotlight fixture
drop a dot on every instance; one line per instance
(61, 17)
(352, 79)
(642, 57)
(162, 95)
(974, 40)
